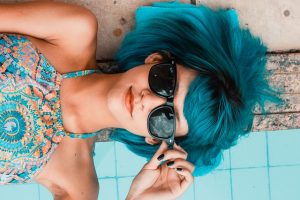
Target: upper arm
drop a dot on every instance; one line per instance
(55, 22)
(83, 184)
(87, 191)
(69, 183)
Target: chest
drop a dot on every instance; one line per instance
(64, 62)
(72, 151)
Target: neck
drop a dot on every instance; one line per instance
(90, 102)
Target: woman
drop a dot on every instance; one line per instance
(190, 86)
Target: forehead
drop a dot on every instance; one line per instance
(184, 78)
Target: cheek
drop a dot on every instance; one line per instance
(115, 103)
(138, 125)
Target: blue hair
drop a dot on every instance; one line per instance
(232, 79)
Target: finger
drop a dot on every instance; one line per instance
(172, 154)
(176, 146)
(179, 162)
(188, 179)
(154, 162)
(179, 148)
(162, 148)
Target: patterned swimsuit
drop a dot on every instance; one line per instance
(31, 125)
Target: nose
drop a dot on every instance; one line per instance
(150, 100)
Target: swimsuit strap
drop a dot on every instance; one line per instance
(83, 135)
(80, 73)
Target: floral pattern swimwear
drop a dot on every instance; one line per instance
(31, 124)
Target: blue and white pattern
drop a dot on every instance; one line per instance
(31, 124)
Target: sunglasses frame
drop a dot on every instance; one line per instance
(168, 104)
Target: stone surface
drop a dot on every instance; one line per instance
(115, 19)
(283, 63)
(279, 121)
(277, 22)
(290, 82)
(285, 70)
(291, 104)
(269, 21)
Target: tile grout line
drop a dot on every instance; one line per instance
(286, 165)
(116, 171)
(258, 167)
(230, 173)
(39, 198)
(194, 189)
(268, 165)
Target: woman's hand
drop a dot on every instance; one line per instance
(156, 181)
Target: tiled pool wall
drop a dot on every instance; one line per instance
(262, 166)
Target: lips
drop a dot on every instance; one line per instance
(129, 101)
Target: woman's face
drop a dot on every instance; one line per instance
(145, 100)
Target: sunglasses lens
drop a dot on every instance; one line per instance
(161, 122)
(162, 79)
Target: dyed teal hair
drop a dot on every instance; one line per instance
(219, 103)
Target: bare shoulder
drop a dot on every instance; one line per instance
(83, 40)
(71, 50)
(79, 36)
(66, 58)
(82, 44)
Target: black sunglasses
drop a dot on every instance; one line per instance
(161, 121)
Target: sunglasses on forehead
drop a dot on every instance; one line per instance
(161, 121)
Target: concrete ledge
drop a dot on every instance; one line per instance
(115, 19)
(277, 22)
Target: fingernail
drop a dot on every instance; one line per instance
(170, 163)
(160, 157)
(179, 169)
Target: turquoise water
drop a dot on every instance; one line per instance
(263, 166)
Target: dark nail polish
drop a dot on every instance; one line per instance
(160, 157)
(170, 163)
(179, 169)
